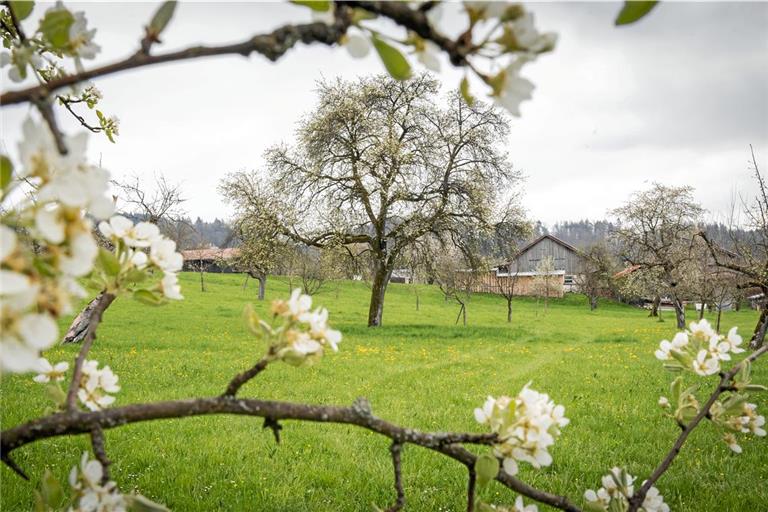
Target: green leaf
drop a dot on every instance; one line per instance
(22, 9)
(315, 5)
(464, 88)
(55, 393)
(675, 388)
(633, 11)
(39, 502)
(139, 503)
(161, 18)
(148, 297)
(52, 492)
(109, 262)
(6, 172)
(755, 387)
(55, 26)
(396, 64)
(486, 469)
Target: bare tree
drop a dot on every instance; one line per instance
(508, 234)
(748, 256)
(380, 163)
(311, 270)
(655, 230)
(455, 271)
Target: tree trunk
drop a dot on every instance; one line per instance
(202, 277)
(701, 313)
(464, 313)
(762, 324)
(378, 289)
(719, 314)
(262, 285)
(679, 312)
(417, 299)
(509, 310)
(593, 302)
(80, 324)
(655, 306)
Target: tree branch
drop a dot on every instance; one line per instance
(272, 45)
(395, 449)
(81, 422)
(105, 299)
(725, 385)
(241, 378)
(471, 484)
(100, 450)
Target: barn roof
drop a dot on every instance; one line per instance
(536, 241)
(211, 253)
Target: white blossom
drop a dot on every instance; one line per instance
(80, 257)
(163, 254)
(705, 363)
(732, 443)
(49, 372)
(616, 491)
(301, 350)
(81, 39)
(319, 329)
(170, 286)
(664, 402)
(119, 228)
(357, 45)
(23, 337)
(527, 426)
(734, 340)
(90, 494)
(95, 386)
(428, 55)
(514, 88)
(8, 241)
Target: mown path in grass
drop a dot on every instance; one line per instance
(419, 369)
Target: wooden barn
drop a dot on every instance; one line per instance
(523, 268)
(211, 259)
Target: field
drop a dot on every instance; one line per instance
(420, 370)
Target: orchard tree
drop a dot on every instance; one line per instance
(456, 273)
(655, 230)
(382, 163)
(261, 250)
(595, 277)
(748, 255)
(508, 234)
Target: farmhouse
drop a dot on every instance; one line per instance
(210, 259)
(523, 268)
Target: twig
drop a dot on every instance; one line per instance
(725, 385)
(395, 449)
(100, 450)
(81, 422)
(241, 378)
(105, 299)
(471, 484)
(68, 105)
(16, 23)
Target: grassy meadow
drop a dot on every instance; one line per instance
(420, 370)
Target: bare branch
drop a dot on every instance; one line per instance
(104, 300)
(100, 451)
(395, 449)
(240, 379)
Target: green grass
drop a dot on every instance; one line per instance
(420, 370)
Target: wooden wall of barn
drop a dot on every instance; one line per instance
(487, 282)
(564, 258)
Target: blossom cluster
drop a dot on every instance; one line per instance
(132, 242)
(91, 495)
(616, 491)
(527, 426)
(47, 242)
(519, 506)
(501, 32)
(95, 385)
(699, 349)
(302, 335)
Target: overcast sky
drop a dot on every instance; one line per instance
(676, 98)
